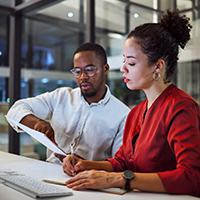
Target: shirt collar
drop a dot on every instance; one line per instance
(101, 102)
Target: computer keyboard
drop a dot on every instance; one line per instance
(31, 186)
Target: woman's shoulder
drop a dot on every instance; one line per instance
(177, 95)
(138, 109)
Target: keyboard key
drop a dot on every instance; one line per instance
(31, 186)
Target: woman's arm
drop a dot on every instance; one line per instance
(98, 180)
(150, 182)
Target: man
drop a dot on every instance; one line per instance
(88, 117)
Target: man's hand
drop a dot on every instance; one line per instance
(39, 125)
(59, 156)
(45, 127)
(79, 165)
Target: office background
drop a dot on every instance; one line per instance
(38, 39)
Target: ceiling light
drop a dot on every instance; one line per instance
(60, 82)
(136, 15)
(115, 35)
(26, 80)
(45, 80)
(70, 14)
(23, 85)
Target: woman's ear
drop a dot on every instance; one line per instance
(159, 66)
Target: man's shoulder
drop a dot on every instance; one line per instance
(67, 90)
(118, 103)
(63, 93)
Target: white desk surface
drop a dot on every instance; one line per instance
(39, 169)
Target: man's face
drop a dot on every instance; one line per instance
(92, 87)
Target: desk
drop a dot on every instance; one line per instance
(40, 169)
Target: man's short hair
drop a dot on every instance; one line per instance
(98, 49)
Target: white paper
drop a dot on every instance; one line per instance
(41, 137)
(60, 179)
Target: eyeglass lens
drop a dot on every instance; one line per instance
(89, 71)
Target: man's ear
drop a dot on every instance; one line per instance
(106, 68)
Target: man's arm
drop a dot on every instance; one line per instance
(30, 121)
(39, 125)
(118, 138)
(81, 165)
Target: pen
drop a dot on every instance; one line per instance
(72, 154)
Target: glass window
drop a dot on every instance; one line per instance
(3, 41)
(147, 3)
(182, 5)
(51, 34)
(8, 3)
(48, 46)
(3, 80)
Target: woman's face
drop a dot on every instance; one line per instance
(137, 73)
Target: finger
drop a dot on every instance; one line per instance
(79, 182)
(76, 168)
(79, 166)
(38, 128)
(78, 179)
(79, 185)
(67, 166)
(67, 171)
(49, 133)
(41, 126)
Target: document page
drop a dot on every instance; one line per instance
(41, 137)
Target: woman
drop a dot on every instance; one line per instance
(161, 144)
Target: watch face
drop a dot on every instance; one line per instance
(128, 174)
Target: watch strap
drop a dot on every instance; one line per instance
(127, 185)
(128, 176)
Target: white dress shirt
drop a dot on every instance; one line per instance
(96, 130)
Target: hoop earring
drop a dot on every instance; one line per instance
(154, 76)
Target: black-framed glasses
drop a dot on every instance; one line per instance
(89, 71)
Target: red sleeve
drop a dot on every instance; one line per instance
(184, 140)
(117, 164)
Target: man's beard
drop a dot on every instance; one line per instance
(88, 95)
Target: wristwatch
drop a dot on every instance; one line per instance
(128, 176)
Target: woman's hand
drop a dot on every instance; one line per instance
(95, 179)
(79, 165)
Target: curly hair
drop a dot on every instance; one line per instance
(162, 40)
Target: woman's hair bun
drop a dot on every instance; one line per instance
(178, 26)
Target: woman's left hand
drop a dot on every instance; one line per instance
(94, 179)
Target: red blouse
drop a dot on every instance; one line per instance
(166, 140)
